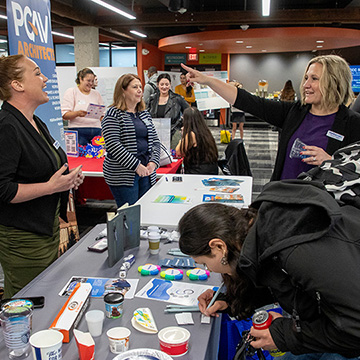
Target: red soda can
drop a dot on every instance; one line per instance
(261, 320)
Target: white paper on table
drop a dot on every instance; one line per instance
(95, 111)
(172, 291)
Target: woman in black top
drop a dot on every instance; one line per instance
(197, 145)
(166, 104)
(34, 176)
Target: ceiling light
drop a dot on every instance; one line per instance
(3, 41)
(244, 27)
(319, 41)
(63, 35)
(264, 50)
(187, 47)
(249, 47)
(319, 46)
(3, 17)
(201, 50)
(265, 7)
(138, 33)
(239, 41)
(107, 5)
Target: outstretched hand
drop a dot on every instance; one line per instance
(195, 75)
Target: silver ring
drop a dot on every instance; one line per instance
(314, 158)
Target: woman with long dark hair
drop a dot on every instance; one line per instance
(296, 246)
(164, 103)
(197, 145)
(288, 92)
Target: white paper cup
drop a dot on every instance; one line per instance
(95, 320)
(154, 243)
(47, 344)
(118, 339)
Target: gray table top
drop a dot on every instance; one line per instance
(79, 261)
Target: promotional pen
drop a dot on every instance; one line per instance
(211, 303)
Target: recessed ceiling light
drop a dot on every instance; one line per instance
(137, 33)
(319, 46)
(239, 41)
(124, 12)
(264, 50)
(249, 47)
(187, 47)
(63, 35)
(201, 50)
(319, 41)
(201, 44)
(3, 17)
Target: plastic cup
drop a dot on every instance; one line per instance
(154, 243)
(296, 148)
(16, 325)
(118, 339)
(153, 228)
(95, 320)
(47, 344)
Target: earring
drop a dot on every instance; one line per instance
(224, 260)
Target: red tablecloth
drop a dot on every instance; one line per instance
(94, 186)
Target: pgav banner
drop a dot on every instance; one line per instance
(29, 31)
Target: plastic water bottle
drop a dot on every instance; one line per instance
(16, 325)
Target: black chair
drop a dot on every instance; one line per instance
(236, 161)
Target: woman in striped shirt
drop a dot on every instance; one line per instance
(132, 144)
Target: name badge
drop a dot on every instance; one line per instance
(335, 135)
(56, 144)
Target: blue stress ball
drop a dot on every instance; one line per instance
(149, 269)
(172, 274)
(198, 274)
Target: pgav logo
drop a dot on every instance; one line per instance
(32, 22)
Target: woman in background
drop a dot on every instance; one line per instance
(197, 145)
(237, 116)
(75, 103)
(166, 104)
(34, 176)
(132, 144)
(288, 92)
(185, 90)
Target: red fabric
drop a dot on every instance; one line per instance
(94, 187)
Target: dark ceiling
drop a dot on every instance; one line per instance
(154, 19)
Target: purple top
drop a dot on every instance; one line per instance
(312, 131)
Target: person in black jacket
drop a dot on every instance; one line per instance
(321, 120)
(34, 176)
(296, 246)
(164, 103)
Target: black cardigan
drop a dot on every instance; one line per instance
(26, 158)
(288, 116)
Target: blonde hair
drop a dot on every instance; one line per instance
(119, 98)
(10, 69)
(334, 83)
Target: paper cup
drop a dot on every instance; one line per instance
(154, 243)
(47, 344)
(94, 320)
(174, 340)
(118, 339)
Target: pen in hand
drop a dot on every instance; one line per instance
(211, 303)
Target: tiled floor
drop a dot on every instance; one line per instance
(260, 146)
